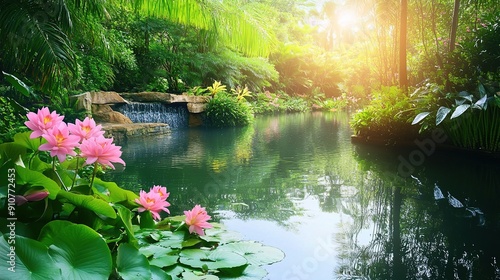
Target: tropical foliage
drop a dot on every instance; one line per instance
(224, 110)
(386, 117)
(469, 119)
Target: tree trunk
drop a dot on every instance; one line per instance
(403, 80)
(454, 25)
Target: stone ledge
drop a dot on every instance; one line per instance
(122, 132)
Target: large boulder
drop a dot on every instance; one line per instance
(181, 98)
(122, 132)
(107, 97)
(196, 107)
(83, 102)
(147, 96)
(104, 113)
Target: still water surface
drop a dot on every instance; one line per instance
(337, 210)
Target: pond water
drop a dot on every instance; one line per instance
(337, 210)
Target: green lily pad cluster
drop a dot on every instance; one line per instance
(220, 254)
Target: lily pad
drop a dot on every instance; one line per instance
(158, 274)
(251, 272)
(131, 264)
(221, 235)
(213, 260)
(171, 239)
(188, 275)
(255, 253)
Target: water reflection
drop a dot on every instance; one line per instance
(338, 211)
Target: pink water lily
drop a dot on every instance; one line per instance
(59, 142)
(197, 219)
(161, 191)
(101, 150)
(31, 196)
(42, 121)
(86, 129)
(153, 202)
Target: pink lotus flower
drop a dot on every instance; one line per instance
(60, 142)
(86, 129)
(161, 191)
(153, 202)
(31, 196)
(42, 121)
(197, 219)
(101, 150)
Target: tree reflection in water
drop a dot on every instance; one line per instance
(416, 236)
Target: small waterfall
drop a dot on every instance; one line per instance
(176, 115)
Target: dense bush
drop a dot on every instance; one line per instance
(386, 117)
(470, 119)
(224, 110)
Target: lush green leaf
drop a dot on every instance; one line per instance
(131, 264)
(251, 272)
(214, 260)
(255, 253)
(35, 178)
(18, 84)
(97, 205)
(31, 260)
(420, 117)
(125, 215)
(441, 114)
(79, 251)
(460, 110)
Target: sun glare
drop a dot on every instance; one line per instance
(347, 19)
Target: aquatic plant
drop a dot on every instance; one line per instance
(474, 120)
(60, 221)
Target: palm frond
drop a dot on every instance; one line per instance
(233, 25)
(34, 43)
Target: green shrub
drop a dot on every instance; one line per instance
(225, 111)
(470, 120)
(387, 116)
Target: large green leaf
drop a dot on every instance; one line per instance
(113, 192)
(481, 103)
(35, 178)
(97, 205)
(255, 253)
(221, 235)
(441, 114)
(189, 275)
(131, 264)
(251, 272)
(212, 259)
(125, 216)
(158, 274)
(420, 117)
(11, 151)
(32, 260)
(24, 140)
(460, 110)
(79, 251)
(171, 239)
(18, 84)
(160, 256)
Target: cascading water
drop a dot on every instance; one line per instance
(175, 115)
